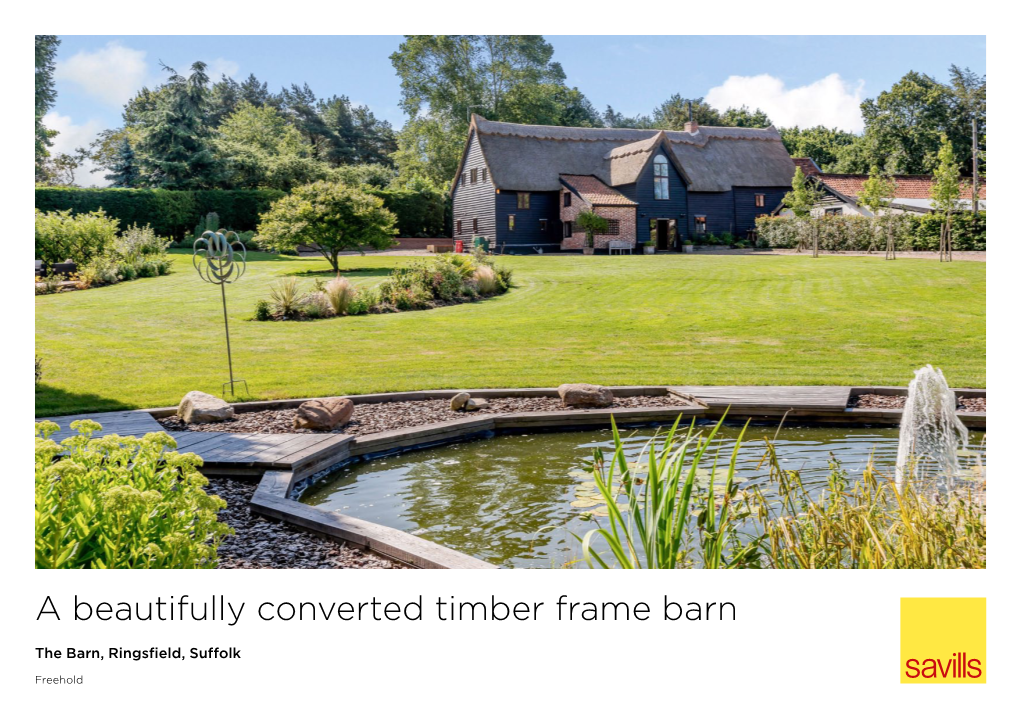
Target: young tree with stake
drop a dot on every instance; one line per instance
(876, 195)
(945, 195)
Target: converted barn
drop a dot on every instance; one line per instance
(522, 186)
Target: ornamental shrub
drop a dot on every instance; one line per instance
(364, 300)
(263, 310)
(121, 502)
(60, 236)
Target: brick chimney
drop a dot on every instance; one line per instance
(691, 126)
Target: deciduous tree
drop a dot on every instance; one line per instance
(330, 217)
(877, 191)
(802, 197)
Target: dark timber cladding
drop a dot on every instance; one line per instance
(699, 180)
(474, 203)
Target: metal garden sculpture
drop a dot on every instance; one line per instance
(221, 260)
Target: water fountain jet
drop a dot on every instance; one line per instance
(930, 431)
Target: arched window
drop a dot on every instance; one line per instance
(661, 177)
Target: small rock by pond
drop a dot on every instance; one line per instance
(199, 407)
(585, 395)
(323, 414)
(376, 417)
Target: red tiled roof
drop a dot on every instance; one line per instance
(807, 166)
(907, 186)
(594, 191)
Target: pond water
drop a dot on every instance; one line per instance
(507, 499)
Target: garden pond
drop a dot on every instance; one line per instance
(516, 500)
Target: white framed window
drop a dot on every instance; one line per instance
(661, 177)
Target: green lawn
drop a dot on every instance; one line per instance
(623, 320)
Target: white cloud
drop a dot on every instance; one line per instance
(71, 136)
(113, 74)
(831, 101)
(221, 66)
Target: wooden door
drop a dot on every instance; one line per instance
(662, 234)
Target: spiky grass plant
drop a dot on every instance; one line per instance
(339, 293)
(486, 280)
(661, 528)
(286, 297)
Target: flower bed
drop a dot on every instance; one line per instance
(420, 285)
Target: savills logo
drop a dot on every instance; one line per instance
(942, 640)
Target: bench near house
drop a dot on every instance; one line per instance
(522, 186)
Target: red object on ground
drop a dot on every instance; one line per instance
(458, 246)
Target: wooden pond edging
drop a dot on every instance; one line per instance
(285, 461)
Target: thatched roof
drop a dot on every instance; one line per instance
(532, 157)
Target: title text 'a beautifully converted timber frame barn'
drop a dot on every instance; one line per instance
(522, 186)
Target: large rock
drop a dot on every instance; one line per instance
(585, 395)
(475, 404)
(324, 414)
(459, 401)
(199, 407)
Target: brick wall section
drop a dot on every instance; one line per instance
(627, 215)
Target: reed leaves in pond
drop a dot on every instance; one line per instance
(685, 512)
(659, 528)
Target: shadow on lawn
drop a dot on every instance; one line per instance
(252, 256)
(52, 401)
(354, 272)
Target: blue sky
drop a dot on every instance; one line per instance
(798, 80)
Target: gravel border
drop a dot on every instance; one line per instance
(371, 418)
(891, 402)
(259, 542)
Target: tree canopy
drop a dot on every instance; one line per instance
(331, 217)
(192, 132)
(45, 96)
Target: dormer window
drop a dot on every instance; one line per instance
(661, 177)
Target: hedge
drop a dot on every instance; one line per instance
(175, 213)
(857, 232)
(171, 213)
(420, 213)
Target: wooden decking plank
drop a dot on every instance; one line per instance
(326, 441)
(187, 439)
(121, 423)
(294, 442)
(260, 446)
(779, 397)
(218, 440)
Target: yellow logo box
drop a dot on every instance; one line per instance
(942, 640)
